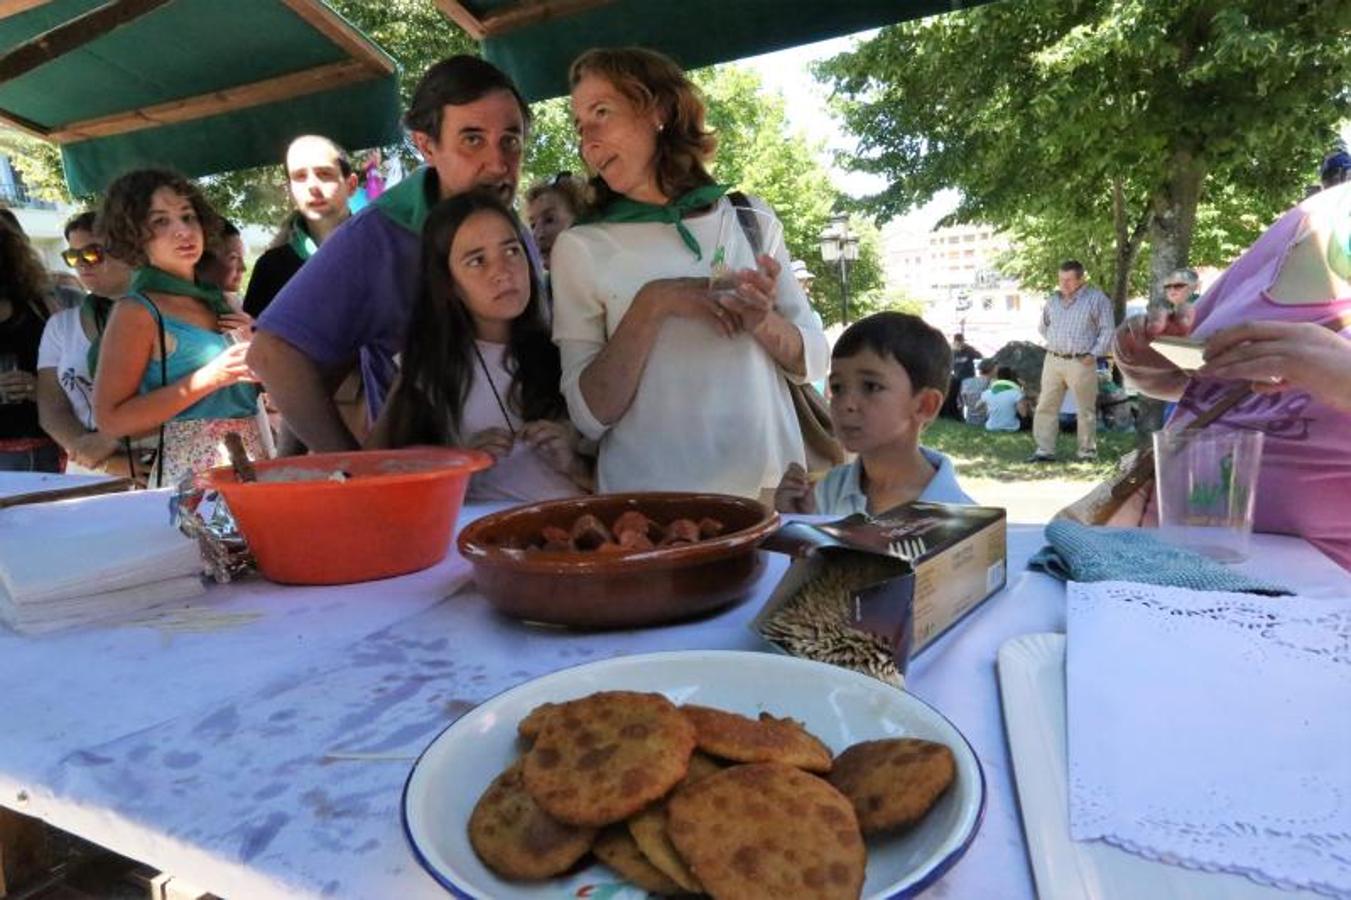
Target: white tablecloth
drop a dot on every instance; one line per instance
(253, 767)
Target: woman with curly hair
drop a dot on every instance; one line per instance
(171, 357)
(684, 387)
(25, 292)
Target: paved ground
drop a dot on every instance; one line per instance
(1026, 501)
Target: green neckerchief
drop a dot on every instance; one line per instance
(97, 309)
(625, 210)
(406, 204)
(149, 278)
(301, 243)
(1002, 385)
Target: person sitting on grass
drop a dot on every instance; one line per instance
(1002, 400)
(888, 378)
(973, 411)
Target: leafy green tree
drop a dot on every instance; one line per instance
(413, 32)
(1093, 128)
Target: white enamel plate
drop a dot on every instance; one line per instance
(838, 706)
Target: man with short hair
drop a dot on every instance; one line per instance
(351, 301)
(1077, 324)
(320, 179)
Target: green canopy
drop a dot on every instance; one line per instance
(203, 86)
(536, 40)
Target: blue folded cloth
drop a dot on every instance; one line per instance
(1085, 553)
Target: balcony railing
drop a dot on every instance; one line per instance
(17, 196)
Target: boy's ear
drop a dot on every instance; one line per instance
(927, 404)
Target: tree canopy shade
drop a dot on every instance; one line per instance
(199, 85)
(1135, 119)
(536, 40)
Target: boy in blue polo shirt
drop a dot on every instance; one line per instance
(888, 378)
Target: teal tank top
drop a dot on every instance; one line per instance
(192, 348)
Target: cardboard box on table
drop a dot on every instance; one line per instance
(940, 561)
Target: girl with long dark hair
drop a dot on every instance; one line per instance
(479, 369)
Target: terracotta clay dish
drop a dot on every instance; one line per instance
(599, 584)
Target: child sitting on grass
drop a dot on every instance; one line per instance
(888, 378)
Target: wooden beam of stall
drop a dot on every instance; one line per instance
(271, 90)
(531, 12)
(72, 35)
(335, 28)
(14, 7)
(457, 13)
(27, 126)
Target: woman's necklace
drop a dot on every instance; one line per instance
(492, 387)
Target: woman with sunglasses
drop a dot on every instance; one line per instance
(25, 304)
(165, 361)
(65, 385)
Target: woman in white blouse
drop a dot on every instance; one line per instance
(684, 388)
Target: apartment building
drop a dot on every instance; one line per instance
(953, 271)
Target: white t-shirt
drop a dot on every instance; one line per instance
(1001, 409)
(65, 348)
(523, 476)
(711, 413)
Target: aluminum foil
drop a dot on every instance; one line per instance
(203, 515)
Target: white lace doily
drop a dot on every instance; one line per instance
(1213, 730)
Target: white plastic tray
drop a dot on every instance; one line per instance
(1032, 689)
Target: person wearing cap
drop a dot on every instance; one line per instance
(1336, 169)
(803, 275)
(1179, 291)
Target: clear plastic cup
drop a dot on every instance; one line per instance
(1207, 488)
(732, 251)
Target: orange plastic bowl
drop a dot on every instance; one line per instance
(394, 514)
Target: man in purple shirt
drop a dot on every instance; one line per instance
(349, 304)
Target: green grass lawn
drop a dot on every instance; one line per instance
(977, 453)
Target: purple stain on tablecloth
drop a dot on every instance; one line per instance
(258, 837)
(401, 737)
(219, 725)
(383, 703)
(269, 791)
(175, 759)
(88, 758)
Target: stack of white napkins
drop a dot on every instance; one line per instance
(1213, 730)
(95, 559)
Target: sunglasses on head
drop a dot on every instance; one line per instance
(559, 178)
(91, 255)
(1171, 286)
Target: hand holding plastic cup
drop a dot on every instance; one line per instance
(1207, 486)
(733, 251)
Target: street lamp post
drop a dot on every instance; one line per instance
(839, 243)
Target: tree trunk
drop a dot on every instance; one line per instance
(1174, 219)
(1128, 241)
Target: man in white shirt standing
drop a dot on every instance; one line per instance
(1077, 324)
